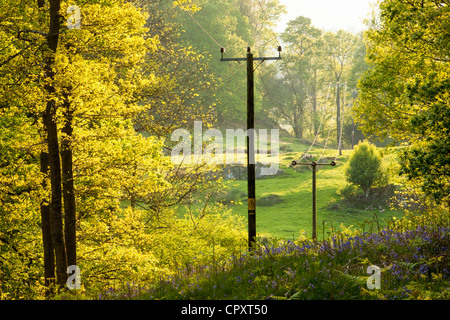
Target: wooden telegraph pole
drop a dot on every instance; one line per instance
(314, 198)
(251, 138)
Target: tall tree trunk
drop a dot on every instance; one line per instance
(314, 104)
(49, 258)
(68, 187)
(56, 198)
(296, 125)
(338, 118)
(53, 147)
(300, 103)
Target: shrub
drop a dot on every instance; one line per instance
(364, 168)
(349, 191)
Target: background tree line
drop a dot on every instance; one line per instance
(314, 84)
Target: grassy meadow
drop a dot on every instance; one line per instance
(284, 202)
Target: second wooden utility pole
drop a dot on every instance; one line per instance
(314, 198)
(251, 139)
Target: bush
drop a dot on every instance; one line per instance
(364, 168)
(349, 191)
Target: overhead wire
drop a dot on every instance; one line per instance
(225, 10)
(319, 131)
(275, 37)
(220, 46)
(314, 141)
(200, 25)
(291, 81)
(342, 125)
(288, 73)
(329, 129)
(231, 75)
(295, 92)
(329, 132)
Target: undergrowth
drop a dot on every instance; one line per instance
(412, 255)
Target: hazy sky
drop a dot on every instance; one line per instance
(328, 14)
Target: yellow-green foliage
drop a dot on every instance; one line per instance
(211, 237)
(364, 167)
(432, 217)
(107, 73)
(122, 248)
(405, 92)
(19, 216)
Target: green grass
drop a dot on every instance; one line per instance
(292, 211)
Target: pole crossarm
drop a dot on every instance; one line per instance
(296, 163)
(256, 59)
(267, 58)
(233, 59)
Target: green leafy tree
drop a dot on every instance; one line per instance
(303, 41)
(78, 90)
(223, 21)
(340, 47)
(364, 168)
(405, 92)
(235, 25)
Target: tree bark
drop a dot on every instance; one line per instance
(53, 147)
(49, 258)
(56, 199)
(68, 187)
(297, 124)
(314, 104)
(338, 118)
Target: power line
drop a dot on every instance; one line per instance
(342, 125)
(293, 87)
(286, 68)
(318, 131)
(313, 165)
(320, 125)
(326, 143)
(278, 44)
(199, 24)
(267, 20)
(329, 129)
